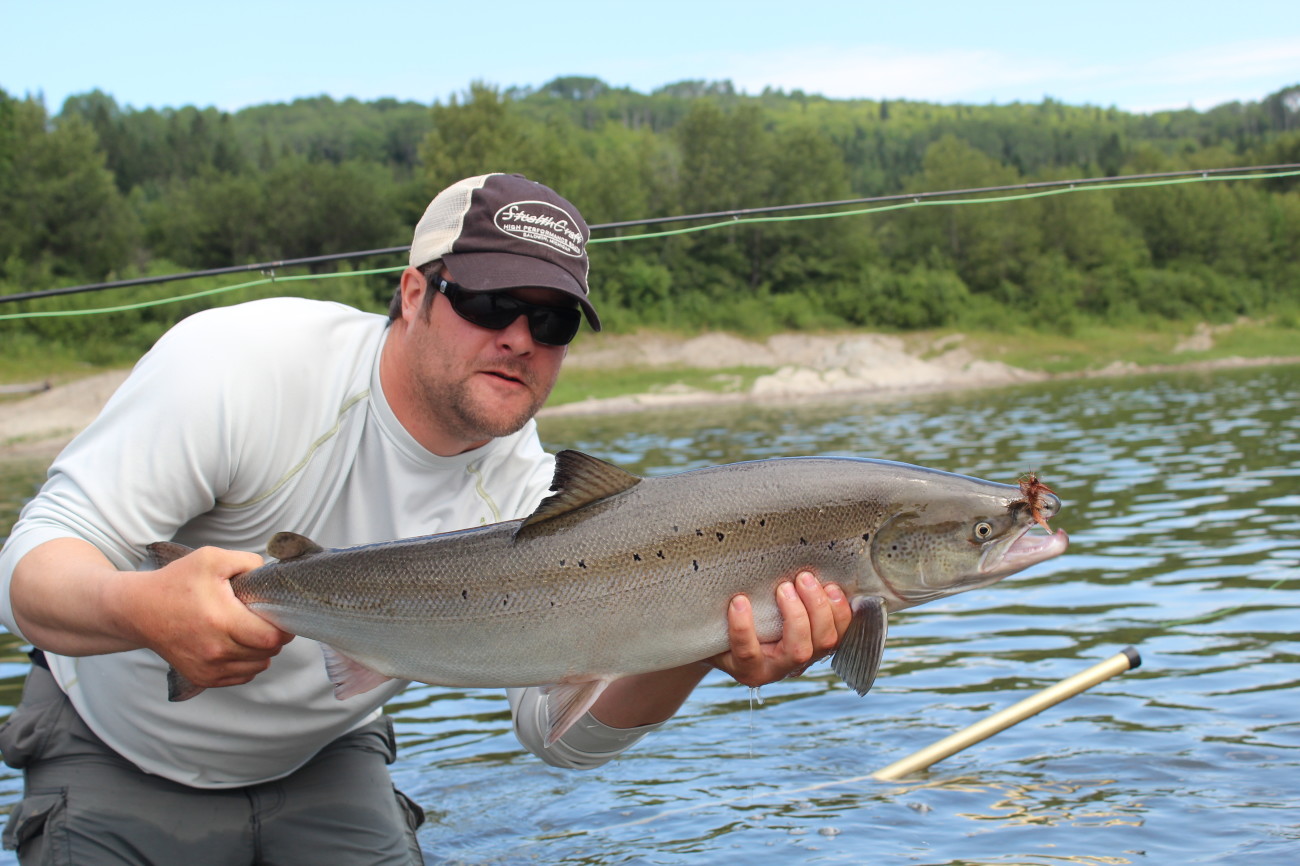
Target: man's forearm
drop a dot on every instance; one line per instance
(69, 599)
(64, 595)
(647, 699)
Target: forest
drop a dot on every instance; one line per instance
(100, 191)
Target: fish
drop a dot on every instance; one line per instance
(615, 574)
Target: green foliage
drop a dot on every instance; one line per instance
(101, 191)
(295, 210)
(893, 300)
(137, 318)
(60, 213)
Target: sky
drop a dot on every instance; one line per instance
(1137, 55)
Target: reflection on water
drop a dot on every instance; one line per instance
(1182, 499)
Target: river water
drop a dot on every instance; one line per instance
(1182, 500)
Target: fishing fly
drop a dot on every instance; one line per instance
(1032, 490)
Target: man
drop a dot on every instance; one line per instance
(311, 416)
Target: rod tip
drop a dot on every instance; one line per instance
(1134, 660)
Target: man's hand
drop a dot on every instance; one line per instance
(198, 625)
(69, 599)
(815, 618)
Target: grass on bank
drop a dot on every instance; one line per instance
(1096, 347)
(586, 383)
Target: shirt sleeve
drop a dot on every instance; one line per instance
(160, 453)
(586, 745)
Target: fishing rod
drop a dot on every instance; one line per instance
(735, 214)
(1125, 660)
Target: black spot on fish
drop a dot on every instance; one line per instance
(582, 563)
(696, 563)
(763, 522)
(721, 536)
(505, 602)
(743, 521)
(636, 557)
(660, 554)
(700, 533)
(676, 529)
(803, 541)
(464, 593)
(562, 562)
(830, 546)
(866, 536)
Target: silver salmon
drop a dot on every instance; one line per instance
(615, 574)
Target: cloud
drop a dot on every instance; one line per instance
(1202, 77)
(876, 72)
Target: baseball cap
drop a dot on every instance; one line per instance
(504, 231)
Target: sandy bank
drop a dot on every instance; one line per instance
(806, 366)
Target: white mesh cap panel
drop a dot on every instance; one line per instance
(438, 229)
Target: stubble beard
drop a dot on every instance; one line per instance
(453, 404)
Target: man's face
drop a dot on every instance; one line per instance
(473, 383)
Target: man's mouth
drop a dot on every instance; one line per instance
(505, 376)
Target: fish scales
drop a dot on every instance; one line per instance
(634, 582)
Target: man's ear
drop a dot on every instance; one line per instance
(413, 286)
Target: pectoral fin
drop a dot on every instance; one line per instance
(858, 659)
(349, 676)
(566, 703)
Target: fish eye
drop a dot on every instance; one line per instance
(983, 530)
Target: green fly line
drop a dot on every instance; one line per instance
(726, 223)
(937, 202)
(1223, 611)
(47, 314)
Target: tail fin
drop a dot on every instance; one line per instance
(179, 688)
(165, 552)
(161, 553)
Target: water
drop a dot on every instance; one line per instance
(1182, 499)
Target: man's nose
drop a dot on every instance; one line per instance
(517, 336)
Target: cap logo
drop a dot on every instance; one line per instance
(541, 222)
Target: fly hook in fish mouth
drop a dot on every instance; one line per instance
(1032, 490)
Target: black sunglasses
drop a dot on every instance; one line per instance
(552, 326)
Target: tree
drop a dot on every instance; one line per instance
(988, 245)
(476, 136)
(316, 208)
(60, 211)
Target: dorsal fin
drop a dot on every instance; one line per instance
(580, 479)
(291, 545)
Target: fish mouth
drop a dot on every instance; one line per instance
(1023, 551)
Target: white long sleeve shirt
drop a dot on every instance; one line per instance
(241, 422)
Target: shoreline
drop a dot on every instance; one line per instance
(805, 368)
(810, 368)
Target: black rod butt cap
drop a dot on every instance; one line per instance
(1134, 660)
